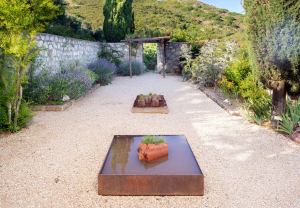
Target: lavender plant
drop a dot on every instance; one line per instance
(103, 68)
(71, 79)
(136, 67)
(71, 82)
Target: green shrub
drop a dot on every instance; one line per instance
(136, 68)
(250, 89)
(179, 35)
(237, 71)
(187, 9)
(222, 10)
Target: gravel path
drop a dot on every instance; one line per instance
(55, 161)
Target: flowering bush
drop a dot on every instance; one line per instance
(206, 69)
(73, 83)
(44, 87)
(103, 68)
(136, 67)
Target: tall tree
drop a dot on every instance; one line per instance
(273, 32)
(20, 21)
(119, 19)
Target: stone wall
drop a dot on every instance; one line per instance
(172, 55)
(62, 49)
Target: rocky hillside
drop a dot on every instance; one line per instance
(197, 18)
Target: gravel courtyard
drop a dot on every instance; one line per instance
(55, 161)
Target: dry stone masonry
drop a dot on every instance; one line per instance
(172, 55)
(59, 49)
(62, 49)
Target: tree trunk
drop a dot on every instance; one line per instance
(278, 102)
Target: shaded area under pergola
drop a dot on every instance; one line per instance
(161, 40)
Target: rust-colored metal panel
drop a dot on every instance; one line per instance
(179, 185)
(122, 173)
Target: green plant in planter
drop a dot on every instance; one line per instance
(155, 102)
(150, 94)
(152, 139)
(147, 99)
(141, 101)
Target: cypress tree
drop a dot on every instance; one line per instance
(119, 19)
(273, 33)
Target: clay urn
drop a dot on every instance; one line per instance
(159, 97)
(155, 102)
(151, 152)
(147, 99)
(141, 102)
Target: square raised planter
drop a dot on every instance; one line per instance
(122, 173)
(162, 108)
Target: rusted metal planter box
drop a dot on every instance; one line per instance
(123, 173)
(163, 108)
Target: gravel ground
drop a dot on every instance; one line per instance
(55, 161)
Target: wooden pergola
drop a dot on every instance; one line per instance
(161, 40)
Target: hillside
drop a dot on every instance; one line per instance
(199, 19)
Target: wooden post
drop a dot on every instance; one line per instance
(130, 59)
(163, 56)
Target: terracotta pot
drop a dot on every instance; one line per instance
(155, 103)
(147, 100)
(159, 97)
(141, 103)
(153, 96)
(152, 152)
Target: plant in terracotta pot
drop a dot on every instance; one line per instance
(147, 99)
(155, 102)
(159, 97)
(152, 148)
(141, 102)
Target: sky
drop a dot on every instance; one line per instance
(230, 5)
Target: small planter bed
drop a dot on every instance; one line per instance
(66, 104)
(174, 171)
(150, 104)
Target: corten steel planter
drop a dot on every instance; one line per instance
(177, 173)
(149, 108)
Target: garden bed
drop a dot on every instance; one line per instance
(177, 173)
(65, 105)
(218, 97)
(148, 108)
